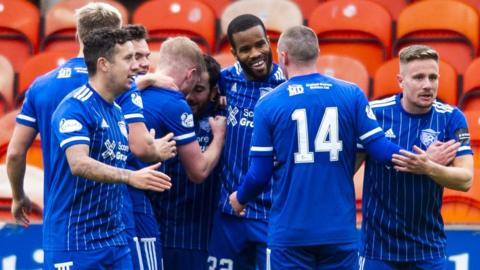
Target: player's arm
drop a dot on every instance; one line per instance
(144, 145)
(20, 142)
(198, 165)
(155, 79)
(81, 164)
(458, 176)
(253, 183)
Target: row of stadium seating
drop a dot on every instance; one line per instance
(362, 29)
(459, 91)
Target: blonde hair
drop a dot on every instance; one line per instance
(181, 53)
(94, 16)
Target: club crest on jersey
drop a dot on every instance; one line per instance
(264, 91)
(428, 136)
(137, 100)
(204, 125)
(104, 124)
(370, 113)
(187, 120)
(69, 125)
(123, 128)
(295, 89)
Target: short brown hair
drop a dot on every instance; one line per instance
(301, 43)
(94, 16)
(417, 52)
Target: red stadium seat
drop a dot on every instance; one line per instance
(344, 68)
(348, 27)
(393, 6)
(39, 65)
(451, 27)
(7, 77)
(272, 13)
(166, 18)
(225, 59)
(385, 82)
(470, 99)
(60, 24)
(19, 23)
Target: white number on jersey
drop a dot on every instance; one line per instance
(328, 129)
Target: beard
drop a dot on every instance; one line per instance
(252, 73)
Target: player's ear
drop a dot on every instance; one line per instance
(214, 92)
(103, 64)
(400, 80)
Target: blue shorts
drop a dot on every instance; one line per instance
(117, 257)
(145, 244)
(436, 264)
(184, 259)
(237, 243)
(325, 257)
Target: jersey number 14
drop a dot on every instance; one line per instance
(328, 130)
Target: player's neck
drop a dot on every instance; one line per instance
(296, 70)
(102, 89)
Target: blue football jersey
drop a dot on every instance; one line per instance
(401, 211)
(43, 97)
(242, 96)
(165, 111)
(185, 211)
(311, 124)
(82, 214)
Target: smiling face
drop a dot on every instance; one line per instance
(123, 67)
(419, 81)
(142, 54)
(252, 50)
(201, 95)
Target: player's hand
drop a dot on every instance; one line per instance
(166, 146)
(417, 163)
(163, 81)
(222, 102)
(149, 178)
(443, 152)
(237, 207)
(21, 209)
(218, 125)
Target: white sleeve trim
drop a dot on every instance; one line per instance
(133, 115)
(261, 149)
(463, 148)
(26, 118)
(184, 136)
(75, 138)
(370, 133)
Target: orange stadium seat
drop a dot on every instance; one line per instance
(307, 6)
(473, 3)
(7, 77)
(165, 18)
(393, 6)
(348, 27)
(225, 59)
(271, 12)
(451, 27)
(60, 26)
(218, 6)
(39, 65)
(385, 82)
(19, 24)
(470, 99)
(344, 68)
